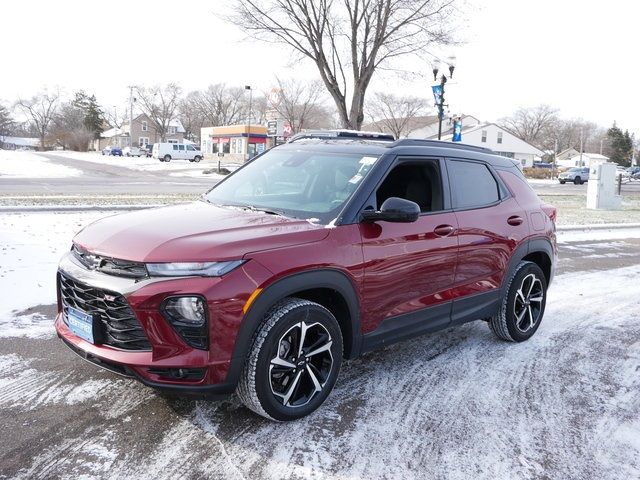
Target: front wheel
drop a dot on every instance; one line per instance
(523, 304)
(197, 158)
(577, 181)
(167, 158)
(294, 361)
(562, 182)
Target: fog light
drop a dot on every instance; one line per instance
(188, 316)
(186, 309)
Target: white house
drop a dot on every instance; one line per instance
(498, 139)
(430, 129)
(578, 160)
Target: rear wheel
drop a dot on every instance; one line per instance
(294, 361)
(167, 158)
(523, 305)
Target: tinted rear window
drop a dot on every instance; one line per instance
(472, 184)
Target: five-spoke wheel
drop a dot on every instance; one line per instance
(294, 360)
(523, 304)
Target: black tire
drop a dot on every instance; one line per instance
(166, 158)
(506, 324)
(577, 181)
(297, 391)
(562, 182)
(197, 158)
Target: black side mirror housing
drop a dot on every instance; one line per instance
(393, 209)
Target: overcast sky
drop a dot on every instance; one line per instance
(580, 56)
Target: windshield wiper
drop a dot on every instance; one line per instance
(253, 208)
(269, 211)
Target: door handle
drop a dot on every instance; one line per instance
(515, 220)
(443, 230)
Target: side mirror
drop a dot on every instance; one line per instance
(394, 209)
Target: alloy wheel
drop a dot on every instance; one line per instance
(302, 364)
(527, 306)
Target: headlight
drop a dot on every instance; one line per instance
(192, 269)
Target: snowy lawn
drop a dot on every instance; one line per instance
(176, 168)
(572, 210)
(20, 164)
(31, 245)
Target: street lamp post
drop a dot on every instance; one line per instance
(248, 87)
(443, 81)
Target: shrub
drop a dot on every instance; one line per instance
(540, 173)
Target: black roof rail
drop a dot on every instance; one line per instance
(343, 135)
(419, 142)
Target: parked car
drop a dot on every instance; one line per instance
(542, 165)
(320, 249)
(115, 151)
(622, 172)
(165, 152)
(147, 150)
(577, 175)
(132, 152)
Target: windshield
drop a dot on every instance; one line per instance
(300, 184)
(575, 169)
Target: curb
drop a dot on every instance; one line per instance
(74, 208)
(597, 226)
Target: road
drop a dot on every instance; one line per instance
(455, 404)
(104, 179)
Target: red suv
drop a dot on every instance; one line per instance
(316, 251)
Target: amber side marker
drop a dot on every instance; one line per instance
(250, 300)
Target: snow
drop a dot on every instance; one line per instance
(564, 236)
(147, 164)
(456, 404)
(31, 244)
(21, 164)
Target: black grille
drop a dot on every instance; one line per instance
(118, 325)
(110, 266)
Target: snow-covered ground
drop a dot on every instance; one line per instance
(457, 404)
(174, 167)
(31, 245)
(21, 164)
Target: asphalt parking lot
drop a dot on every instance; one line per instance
(456, 404)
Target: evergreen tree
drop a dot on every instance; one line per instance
(6, 122)
(621, 145)
(93, 116)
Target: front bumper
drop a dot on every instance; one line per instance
(156, 367)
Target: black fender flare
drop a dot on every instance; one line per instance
(533, 245)
(320, 278)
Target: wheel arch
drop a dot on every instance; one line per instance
(331, 288)
(536, 250)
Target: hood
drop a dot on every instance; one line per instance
(194, 232)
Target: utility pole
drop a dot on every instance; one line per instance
(131, 115)
(581, 148)
(248, 87)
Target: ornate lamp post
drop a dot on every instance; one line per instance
(443, 80)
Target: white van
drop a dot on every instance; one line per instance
(165, 152)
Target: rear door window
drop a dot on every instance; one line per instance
(472, 184)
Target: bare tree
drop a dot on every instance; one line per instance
(221, 105)
(396, 114)
(300, 104)
(40, 110)
(160, 104)
(6, 123)
(342, 35)
(191, 115)
(533, 125)
(68, 129)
